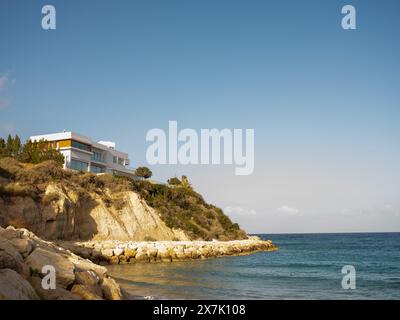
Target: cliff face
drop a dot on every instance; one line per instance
(68, 215)
(62, 205)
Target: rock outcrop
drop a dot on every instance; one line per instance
(26, 260)
(65, 214)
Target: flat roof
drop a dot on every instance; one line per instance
(78, 137)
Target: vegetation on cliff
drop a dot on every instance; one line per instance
(182, 207)
(29, 152)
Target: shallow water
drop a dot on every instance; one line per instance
(306, 266)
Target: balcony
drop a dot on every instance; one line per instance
(97, 159)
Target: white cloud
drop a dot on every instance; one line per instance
(239, 211)
(288, 210)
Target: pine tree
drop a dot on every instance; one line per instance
(16, 148)
(143, 172)
(9, 146)
(2, 147)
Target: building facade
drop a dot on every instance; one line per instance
(83, 154)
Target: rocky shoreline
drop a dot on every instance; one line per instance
(24, 265)
(123, 252)
(25, 260)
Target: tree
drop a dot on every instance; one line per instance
(143, 172)
(16, 147)
(185, 182)
(9, 146)
(174, 181)
(2, 147)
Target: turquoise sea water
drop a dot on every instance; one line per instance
(306, 266)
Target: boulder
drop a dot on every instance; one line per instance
(152, 251)
(123, 259)
(83, 252)
(195, 254)
(179, 252)
(96, 255)
(142, 255)
(163, 254)
(87, 292)
(10, 233)
(84, 265)
(64, 268)
(87, 277)
(107, 252)
(51, 294)
(111, 289)
(129, 252)
(188, 253)
(107, 245)
(113, 260)
(9, 256)
(15, 287)
(118, 251)
(24, 246)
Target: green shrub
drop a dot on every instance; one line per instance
(42, 172)
(174, 181)
(143, 172)
(185, 209)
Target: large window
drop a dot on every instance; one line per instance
(80, 145)
(97, 156)
(78, 165)
(96, 169)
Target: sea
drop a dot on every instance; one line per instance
(306, 266)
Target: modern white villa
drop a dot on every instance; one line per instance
(83, 154)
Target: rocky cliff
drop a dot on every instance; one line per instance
(65, 214)
(57, 204)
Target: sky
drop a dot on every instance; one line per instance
(324, 102)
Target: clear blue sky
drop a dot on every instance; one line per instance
(324, 102)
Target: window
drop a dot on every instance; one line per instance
(121, 161)
(97, 156)
(78, 165)
(96, 169)
(80, 145)
(114, 159)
